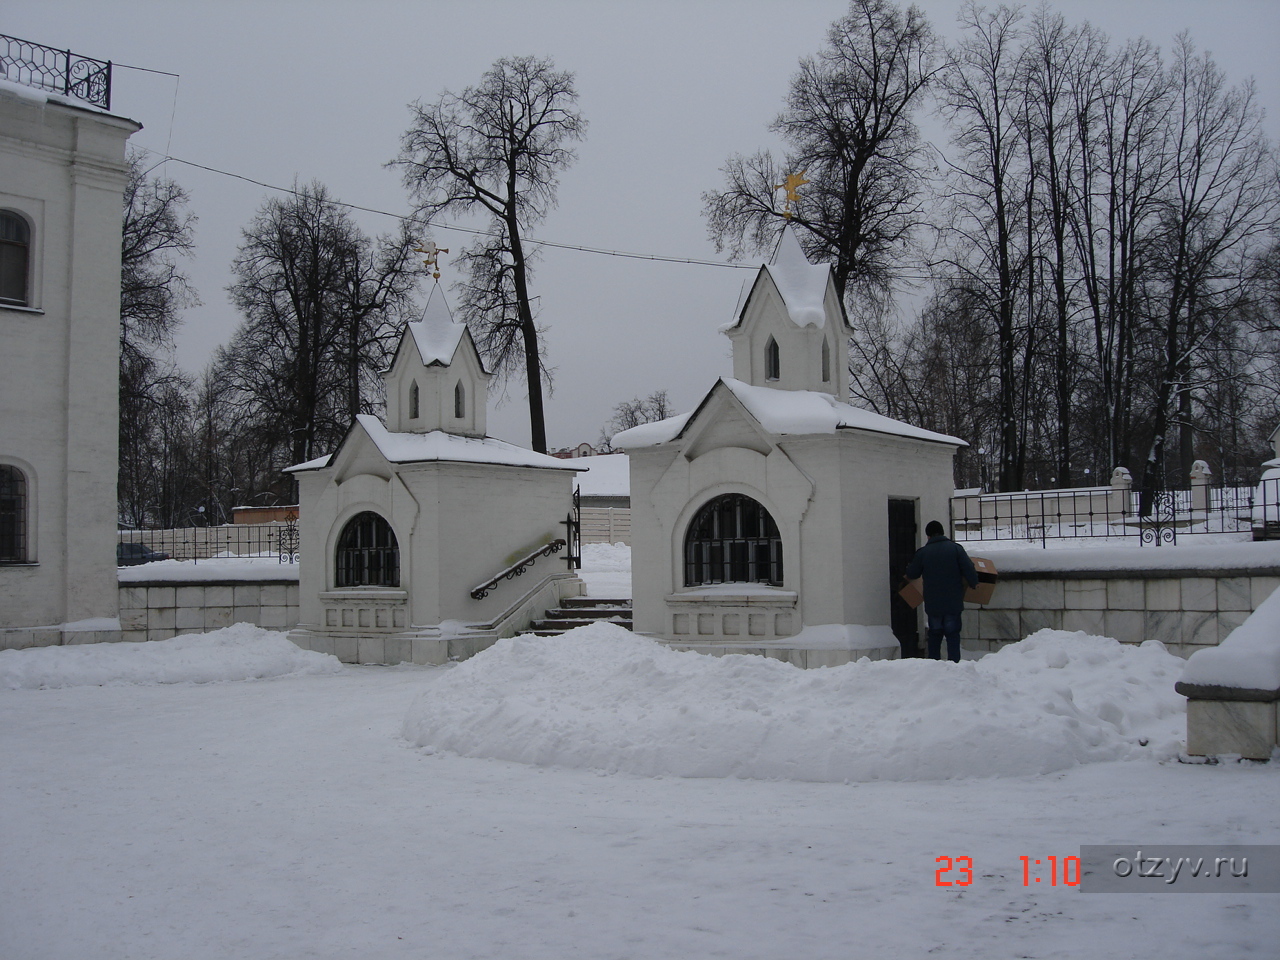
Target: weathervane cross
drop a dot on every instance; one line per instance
(792, 185)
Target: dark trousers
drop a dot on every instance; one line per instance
(944, 625)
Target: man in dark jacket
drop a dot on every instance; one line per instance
(946, 569)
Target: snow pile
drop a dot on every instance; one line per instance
(239, 652)
(1249, 658)
(606, 557)
(600, 698)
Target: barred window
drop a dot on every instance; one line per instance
(15, 258)
(732, 539)
(368, 555)
(13, 515)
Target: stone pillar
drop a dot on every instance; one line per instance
(1201, 478)
(1118, 499)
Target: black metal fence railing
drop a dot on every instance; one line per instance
(1158, 517)
(59, 71)
(264, 541)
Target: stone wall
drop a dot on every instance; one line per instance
(1184, 609)
(158, 610)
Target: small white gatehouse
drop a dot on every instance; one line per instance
(412, 524)
(768, 518)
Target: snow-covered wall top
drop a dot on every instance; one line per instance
(607, 476)
(1249, 658)
(438, 445)
(786, 412)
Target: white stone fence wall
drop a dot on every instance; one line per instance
(159, 610)
(1187, 610)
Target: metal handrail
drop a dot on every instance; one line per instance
(517, 568)
(60, 71)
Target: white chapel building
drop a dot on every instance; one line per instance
(766, 519)
(427, 539)
(62, 178)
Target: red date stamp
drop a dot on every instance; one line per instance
(1051, 871)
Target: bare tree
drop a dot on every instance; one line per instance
(632, 413)
(156, 231)
(498, 148)
(318, 298)
(849, 128)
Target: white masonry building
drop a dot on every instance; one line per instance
(408, 521)
(62, 178)
(766, 519)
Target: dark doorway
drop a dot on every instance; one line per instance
(902, 547)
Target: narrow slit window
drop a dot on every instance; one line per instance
(459, 400)
(413, 402)
(826, 362)
(772, 360)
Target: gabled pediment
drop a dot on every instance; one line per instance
(358, 454)
(722, 421)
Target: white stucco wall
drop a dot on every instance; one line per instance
(62, 168)
(828, 495)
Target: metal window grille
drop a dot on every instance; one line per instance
(732, 539)
(13, 515)
(367, 554)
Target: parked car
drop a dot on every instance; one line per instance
(132, 554)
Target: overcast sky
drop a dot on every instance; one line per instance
(318, 90)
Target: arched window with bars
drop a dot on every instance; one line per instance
(367, 554)
(732, 539)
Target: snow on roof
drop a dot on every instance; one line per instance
(315, 464)
(803, 285)
(784, 412)
(436, 335)
(438, 445)
(608, 475)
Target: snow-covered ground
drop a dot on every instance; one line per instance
(589, 796)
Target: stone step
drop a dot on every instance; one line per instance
(561, 624)
(588, 613)
(596, 602)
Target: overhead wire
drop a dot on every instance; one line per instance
(438, 225)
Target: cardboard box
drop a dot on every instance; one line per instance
(912, 593)
(987, 579)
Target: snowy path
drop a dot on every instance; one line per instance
(286, 819)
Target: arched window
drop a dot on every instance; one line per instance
(13, 515)
(413, 401)
(15, 258)
(826, 361)
(368, 555)
(459, 400)
(772, 360)
(732, 539)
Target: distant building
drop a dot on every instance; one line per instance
(409, 522)
(62, 177)
(572, 453)
(771, 518)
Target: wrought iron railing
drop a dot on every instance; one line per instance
(1159, 517)
(59, 71)
(259, 541)
(517, 569)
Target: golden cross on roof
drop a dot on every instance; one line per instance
(792, 185)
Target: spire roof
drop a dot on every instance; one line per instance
(436, 335)
(803, 285)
